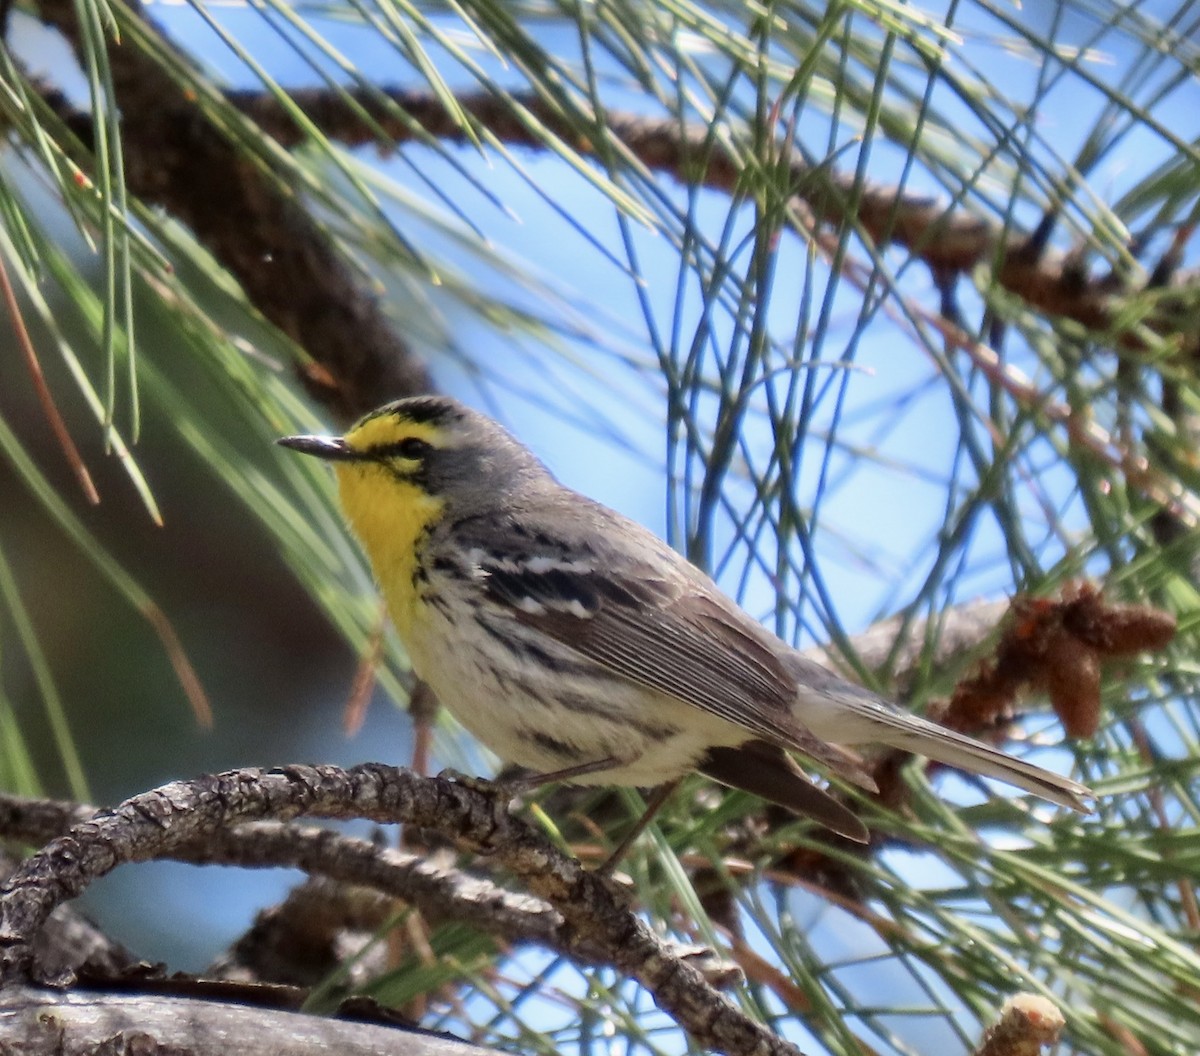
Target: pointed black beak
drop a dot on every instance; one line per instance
(330, 448)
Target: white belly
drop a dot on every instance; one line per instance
(573, 712)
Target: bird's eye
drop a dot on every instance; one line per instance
(410, 447)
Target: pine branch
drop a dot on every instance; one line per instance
(37, 1022)
(439, 891)
(179, 160)
(156, 823)
(948, 241)
(286, 263)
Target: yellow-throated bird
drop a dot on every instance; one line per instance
(574, 642)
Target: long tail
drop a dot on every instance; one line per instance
(846, 714)
(955, 749)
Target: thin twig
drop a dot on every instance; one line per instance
(45, 398)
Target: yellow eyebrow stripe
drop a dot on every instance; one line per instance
(387, 429)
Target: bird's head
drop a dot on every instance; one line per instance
(411, 462)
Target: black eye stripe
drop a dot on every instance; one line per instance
(409, 447)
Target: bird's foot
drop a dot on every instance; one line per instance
(502, 791)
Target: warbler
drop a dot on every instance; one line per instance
(572, 641)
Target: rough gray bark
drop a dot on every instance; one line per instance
(38, 1022)
(182, 813)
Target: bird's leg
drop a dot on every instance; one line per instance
(530, 781)
(657, 798)
(423, 709)
(507, 788)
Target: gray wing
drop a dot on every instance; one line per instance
(659, 623)
(768, 771)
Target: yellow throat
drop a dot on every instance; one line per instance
(388, 514)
